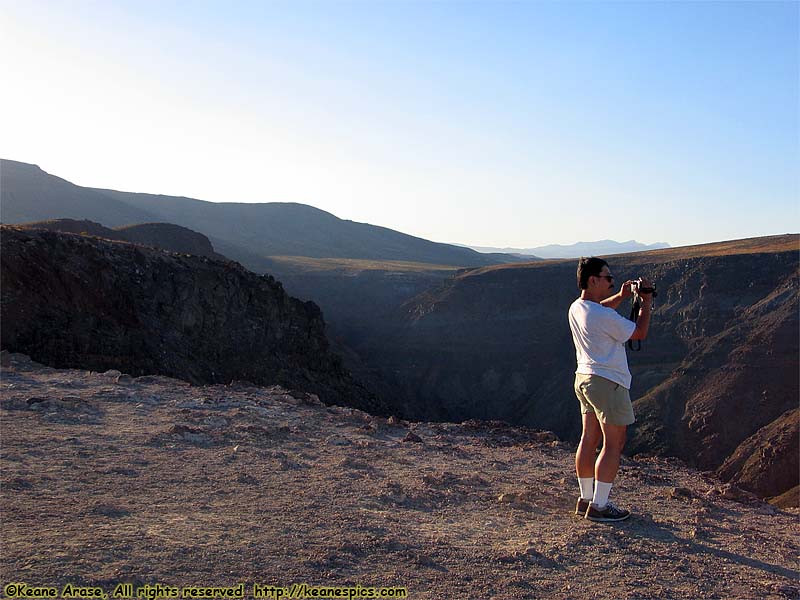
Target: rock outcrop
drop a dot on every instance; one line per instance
(768, 461)
(75, 301)
(158, 235)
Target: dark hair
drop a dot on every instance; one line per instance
(588, 266)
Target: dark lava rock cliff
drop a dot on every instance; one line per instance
(75, 301)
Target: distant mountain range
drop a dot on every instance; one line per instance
(599, 248)
(251, 232)
(248, 233)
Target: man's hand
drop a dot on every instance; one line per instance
(626, 290)
(643, 322)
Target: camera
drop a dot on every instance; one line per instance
(639, 289)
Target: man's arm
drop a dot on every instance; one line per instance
(643, 322)
(615, 300)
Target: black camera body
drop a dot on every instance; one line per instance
(639, 289)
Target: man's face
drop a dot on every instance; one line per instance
(603, 283)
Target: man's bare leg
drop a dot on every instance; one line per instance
(590, 439)
(605, 471)
(584, 460)
(607, 463)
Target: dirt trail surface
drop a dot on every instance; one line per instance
(108, 478)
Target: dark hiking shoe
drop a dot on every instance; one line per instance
(609, 513)
(582, 506)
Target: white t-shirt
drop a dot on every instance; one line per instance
(600, 334)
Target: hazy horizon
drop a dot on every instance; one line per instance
(485, 124)
(478, 247)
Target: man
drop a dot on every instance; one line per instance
(602, 381)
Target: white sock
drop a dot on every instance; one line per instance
(587, 487)
(601, 492)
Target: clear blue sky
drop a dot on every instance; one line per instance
(485, 123)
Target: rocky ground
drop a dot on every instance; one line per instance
(108, 478)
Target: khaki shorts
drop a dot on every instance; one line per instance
(610, 401)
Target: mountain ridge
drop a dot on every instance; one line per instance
(578, 249)
(249, 231)
(28, 193)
